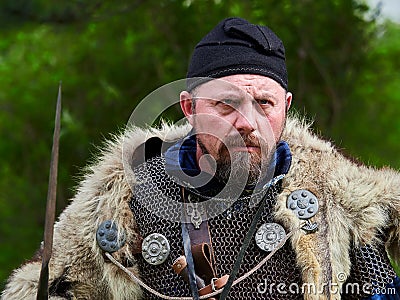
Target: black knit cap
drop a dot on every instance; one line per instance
(236, 46)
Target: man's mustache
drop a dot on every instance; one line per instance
(248, 140)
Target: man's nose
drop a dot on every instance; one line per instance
(245, 119)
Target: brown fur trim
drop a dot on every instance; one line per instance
(356, 203)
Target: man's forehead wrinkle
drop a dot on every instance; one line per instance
(236, 87)
(231, 93)
(256, 93)
(220, 91)
(242, 94)
(251, 84)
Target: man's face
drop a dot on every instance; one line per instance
(238, 120)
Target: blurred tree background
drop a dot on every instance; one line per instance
(343, 70)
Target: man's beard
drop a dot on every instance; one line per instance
(241, 168)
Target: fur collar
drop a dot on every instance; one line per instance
(356, 202)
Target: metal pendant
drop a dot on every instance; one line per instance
(269, 235)
(310, 227)
(195, 212)
(107, 237)
(155, 249)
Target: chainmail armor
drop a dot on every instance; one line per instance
(162, 194)
(154, 188)
(227, 232)
(371, 272)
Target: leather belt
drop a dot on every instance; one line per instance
(203, 258)
(180, 268)
(203, 261)
(216, 284)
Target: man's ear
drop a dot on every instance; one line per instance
(186, 105)
(289, 98)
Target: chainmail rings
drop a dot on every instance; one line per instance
(158, 194)
(227, 232)
(370, 274)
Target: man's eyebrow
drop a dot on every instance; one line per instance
(222, 95)
(266, 95)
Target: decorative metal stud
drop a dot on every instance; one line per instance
(107, 237)
(196, 212)
(303, 203)
(155, 249)
(269, 235)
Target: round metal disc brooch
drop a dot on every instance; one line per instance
(107, 237)
(269, 235)
(303, 203)
(155, 249)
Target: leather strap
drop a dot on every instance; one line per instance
(179, 264)
(202, 256)
(200, 235)
(180, 268)
(216, 284)
(201, 246)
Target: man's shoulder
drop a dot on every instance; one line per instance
(140, 145)
(300, 136)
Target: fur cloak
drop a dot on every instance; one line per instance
(356, 203)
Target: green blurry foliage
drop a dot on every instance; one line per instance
(373, 106)
(343, 71)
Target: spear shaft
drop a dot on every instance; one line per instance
(43, 289)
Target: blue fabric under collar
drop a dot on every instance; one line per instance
(181, 157)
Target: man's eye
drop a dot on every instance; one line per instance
(264, 102)
(228, 101)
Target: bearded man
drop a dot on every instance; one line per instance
(244, 202)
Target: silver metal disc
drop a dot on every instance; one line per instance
(303, 203)
(107, 237)
(269, 235)
(155, 249)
